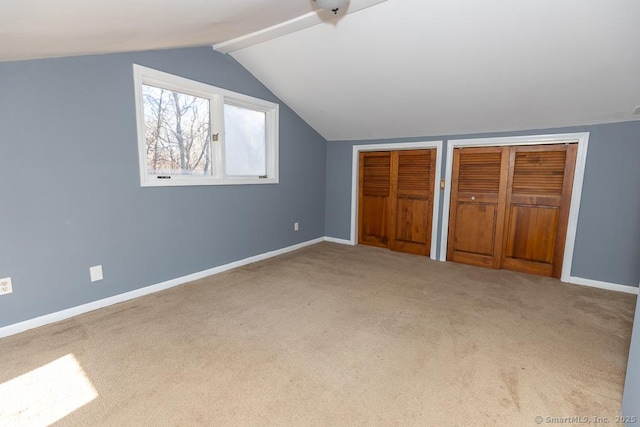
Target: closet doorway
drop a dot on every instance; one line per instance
(396, 199)
(514, 206)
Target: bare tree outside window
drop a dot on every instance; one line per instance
(176, 132)
(176, 119)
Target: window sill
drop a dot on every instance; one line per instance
(177, 182)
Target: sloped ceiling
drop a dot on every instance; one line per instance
(400, 68)
(408, 68)
(47, 28)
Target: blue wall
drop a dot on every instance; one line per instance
(608, 234)
(70, 194)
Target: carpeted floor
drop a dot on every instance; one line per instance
(334, 335)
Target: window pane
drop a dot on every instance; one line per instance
(245, 141)
(176, 133)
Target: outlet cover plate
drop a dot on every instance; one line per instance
(96, 273)
(6, 287)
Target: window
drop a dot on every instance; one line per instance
(190, 133)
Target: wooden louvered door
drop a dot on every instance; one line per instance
(510, 207)
(537, 208)
(412, 183)
(396, 199)
(478, 191)
(374, 198)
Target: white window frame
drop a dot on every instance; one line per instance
(217, 98)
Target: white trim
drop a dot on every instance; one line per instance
(603, 285)
(581, 138)
(392, 146)
(58, 316)
(85, 308)
(336, 240)
(217, 97)
(291, 26)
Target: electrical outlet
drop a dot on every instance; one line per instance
(5, 286)
(296, 226)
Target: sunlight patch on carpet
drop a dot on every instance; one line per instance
(46, 394)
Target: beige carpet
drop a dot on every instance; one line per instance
(332, 335)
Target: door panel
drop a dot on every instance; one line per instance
(532, 233)
(411, 224)
(475, 233)
(375, 227)
(538, 198)
(413, 179)
(477, 205)
(374, 198)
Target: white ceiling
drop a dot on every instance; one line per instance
(416, 68)
(398, 69)
(46, 28)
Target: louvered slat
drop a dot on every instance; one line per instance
(479, 172)
(413, 172)
(539, 172)
(376, 175)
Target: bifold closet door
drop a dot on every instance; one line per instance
(478, 190)
(396, 199)
(510, 207)
(374, 201)
(537, 208)
(412, 184)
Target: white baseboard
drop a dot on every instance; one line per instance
(603, 285)
(336, 240)
(85, 308)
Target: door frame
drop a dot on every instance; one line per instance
(582, 138)
(397, 146)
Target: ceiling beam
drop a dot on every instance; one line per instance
(307, 20)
